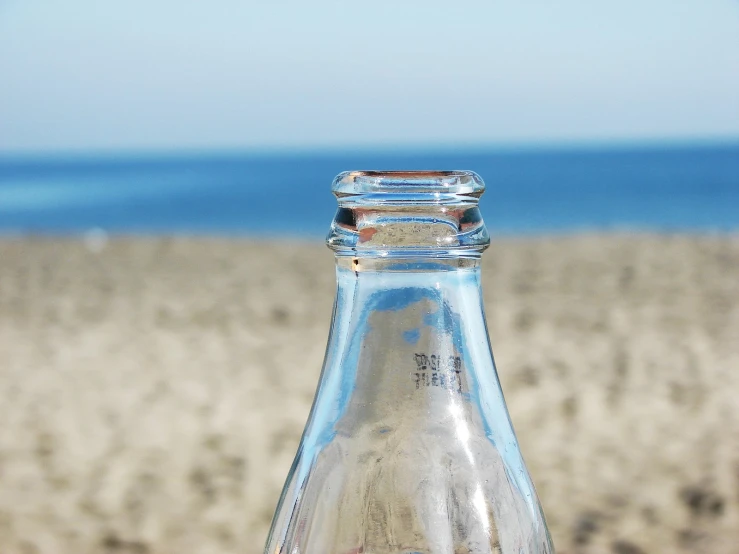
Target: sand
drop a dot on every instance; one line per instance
(153, 391)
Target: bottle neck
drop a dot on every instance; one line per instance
(406, 336)
(398, 263)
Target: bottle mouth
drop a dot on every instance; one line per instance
(398, 213)
(382, 187)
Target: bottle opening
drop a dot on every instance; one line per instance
(428, 186)
(401, 213)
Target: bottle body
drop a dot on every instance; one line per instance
(408, 448)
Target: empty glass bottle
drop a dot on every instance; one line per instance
(408, 447)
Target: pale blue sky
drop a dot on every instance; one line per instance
(166, 74)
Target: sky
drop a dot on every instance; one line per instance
(151, 75)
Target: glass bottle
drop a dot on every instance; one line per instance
(408, 447)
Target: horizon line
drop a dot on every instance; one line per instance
(507, 147)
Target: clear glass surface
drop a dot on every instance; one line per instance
(409, 447)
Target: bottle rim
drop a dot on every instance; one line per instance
(454, 182)
(392, 213)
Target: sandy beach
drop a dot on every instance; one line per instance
(154, 390)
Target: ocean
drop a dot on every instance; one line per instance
(662, 189)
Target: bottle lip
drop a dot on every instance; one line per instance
(406, 211)
(455, 182)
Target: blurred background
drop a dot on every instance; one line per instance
(165, 297)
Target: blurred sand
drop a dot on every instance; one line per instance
(153, 391)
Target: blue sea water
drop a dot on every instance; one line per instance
(537, 191)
